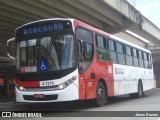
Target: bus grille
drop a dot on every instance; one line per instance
(49, 88)
(46, 97)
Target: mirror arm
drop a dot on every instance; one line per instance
(10, 40)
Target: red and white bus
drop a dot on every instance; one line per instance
(66, 60)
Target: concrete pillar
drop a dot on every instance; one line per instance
(156, 68)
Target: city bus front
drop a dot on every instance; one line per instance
(46, 62)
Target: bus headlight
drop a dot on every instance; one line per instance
(67, 83)
(21, 88)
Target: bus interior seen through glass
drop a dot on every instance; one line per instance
(57, 52)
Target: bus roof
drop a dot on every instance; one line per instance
(91, 28)
(46, 20)
(128, 43)
(110, 36)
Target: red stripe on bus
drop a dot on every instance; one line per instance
(1, 81)
(28, 84)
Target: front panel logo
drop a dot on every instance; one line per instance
(43, 65)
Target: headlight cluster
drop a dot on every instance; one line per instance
(67, 83)
(21, 88)
(59, 87)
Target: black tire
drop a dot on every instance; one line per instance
(140, 92)
(101, 95)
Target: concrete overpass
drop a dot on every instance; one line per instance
(112, 16)
(109, 15)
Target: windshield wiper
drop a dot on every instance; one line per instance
(50, 46)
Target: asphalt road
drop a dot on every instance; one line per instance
(121, 106)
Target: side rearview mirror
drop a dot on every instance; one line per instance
(11, 48)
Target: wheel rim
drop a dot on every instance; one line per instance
(101, 95)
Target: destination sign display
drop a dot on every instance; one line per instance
(41, 28)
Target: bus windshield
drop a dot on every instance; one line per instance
(49, 53)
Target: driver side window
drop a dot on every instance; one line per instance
(84, 48)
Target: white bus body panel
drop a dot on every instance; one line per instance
(70, 93)
(126, 79)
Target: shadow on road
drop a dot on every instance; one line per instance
(74, 105)
(68, 106)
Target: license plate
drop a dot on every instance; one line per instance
(47, 83)
(38, 96)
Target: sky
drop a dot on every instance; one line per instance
(150, 9)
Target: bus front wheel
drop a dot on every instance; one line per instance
(101, 95)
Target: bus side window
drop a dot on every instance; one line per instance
(141, 63)
(145, 60)
(79, 50)
(149, 61)
(101, 48)
(87, 52)
(84, 48)
(112, 51)
(129, 60)
(135, 58)
(120, 53)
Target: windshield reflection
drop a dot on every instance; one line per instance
(47, 54)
